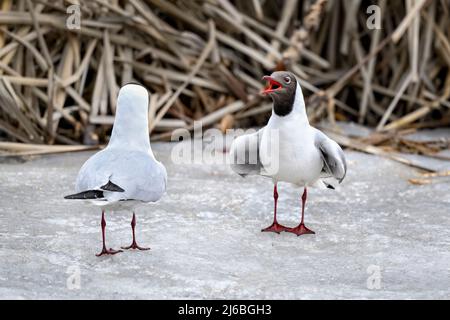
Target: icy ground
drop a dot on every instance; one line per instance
(377, 228)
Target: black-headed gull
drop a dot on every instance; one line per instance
(288, 149)
(125, 174)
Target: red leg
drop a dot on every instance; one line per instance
(275, 226)
(134, 244)
(301, 229)
(104, 250)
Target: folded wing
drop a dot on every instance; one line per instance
(95, 194)
(119, 176)
(332, 156)
(244, 154)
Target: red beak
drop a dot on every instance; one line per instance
(271, 86)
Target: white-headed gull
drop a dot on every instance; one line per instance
(288, 149)
(125, 173)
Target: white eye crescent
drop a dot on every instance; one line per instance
(287, 80)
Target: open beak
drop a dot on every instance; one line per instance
(271, 86)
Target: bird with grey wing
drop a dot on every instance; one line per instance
(125, 174)
(288, 148)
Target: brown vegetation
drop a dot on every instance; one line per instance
(203, 60)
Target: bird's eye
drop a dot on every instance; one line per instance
(287, 80)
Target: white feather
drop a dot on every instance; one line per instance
(128, 160)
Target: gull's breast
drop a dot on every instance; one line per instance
(292, 158)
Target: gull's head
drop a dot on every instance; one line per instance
(281, 86)
(133, 95)
(131, 122)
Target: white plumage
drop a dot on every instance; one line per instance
(288, 148)
(125, 174)
(128, 160)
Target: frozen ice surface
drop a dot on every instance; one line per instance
(206, 240)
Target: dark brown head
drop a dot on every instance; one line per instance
(281, 87)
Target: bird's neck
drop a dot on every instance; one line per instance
(298, 113)
(130, 130)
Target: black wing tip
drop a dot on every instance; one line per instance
(72, 196)
(86, 195)
(95, 194)
(329, 186)
(112, 187)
